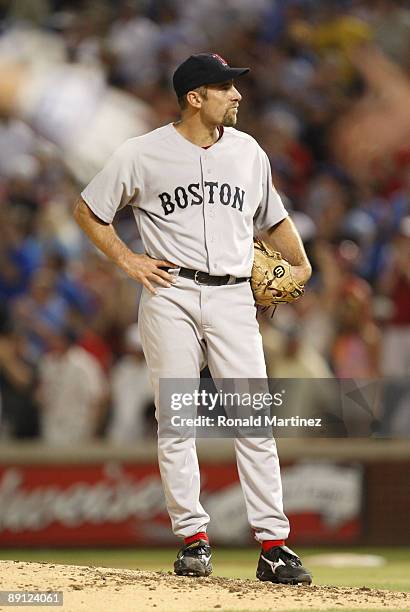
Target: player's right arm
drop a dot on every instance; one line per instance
(142, 268)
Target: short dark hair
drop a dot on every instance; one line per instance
(183, 102)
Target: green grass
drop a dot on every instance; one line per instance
(235, 563)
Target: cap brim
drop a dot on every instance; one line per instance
(238, 71)
(231, 73)
(220, 75)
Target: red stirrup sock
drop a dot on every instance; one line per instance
(198, 536)
(267, 544)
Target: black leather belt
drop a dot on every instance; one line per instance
(203, 278)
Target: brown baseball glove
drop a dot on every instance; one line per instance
(271, 271)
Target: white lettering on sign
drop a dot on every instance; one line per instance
(332, 491)
(108, 500)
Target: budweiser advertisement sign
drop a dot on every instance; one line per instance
(119, 504)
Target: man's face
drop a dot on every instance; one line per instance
(220, 107)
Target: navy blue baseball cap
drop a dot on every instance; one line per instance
(203, 69)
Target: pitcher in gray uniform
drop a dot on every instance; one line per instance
(199, 189)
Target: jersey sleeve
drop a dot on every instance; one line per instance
(271, 209)
(115, 186)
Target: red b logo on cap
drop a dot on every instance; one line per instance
(221, 59)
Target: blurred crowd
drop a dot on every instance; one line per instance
(328, 98)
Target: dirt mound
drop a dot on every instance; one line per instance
(99, 588)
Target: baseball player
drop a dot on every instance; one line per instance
(199, 189)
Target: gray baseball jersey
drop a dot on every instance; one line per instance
(194, 207)
(198, 208)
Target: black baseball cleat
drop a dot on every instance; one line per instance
(194, 559)
(281, 565)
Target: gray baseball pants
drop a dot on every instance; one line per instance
(183, 328)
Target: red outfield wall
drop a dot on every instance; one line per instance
(335, 492)
(123, 504)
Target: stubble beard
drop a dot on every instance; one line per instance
(229, 119)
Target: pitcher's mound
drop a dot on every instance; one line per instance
(89, 589)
